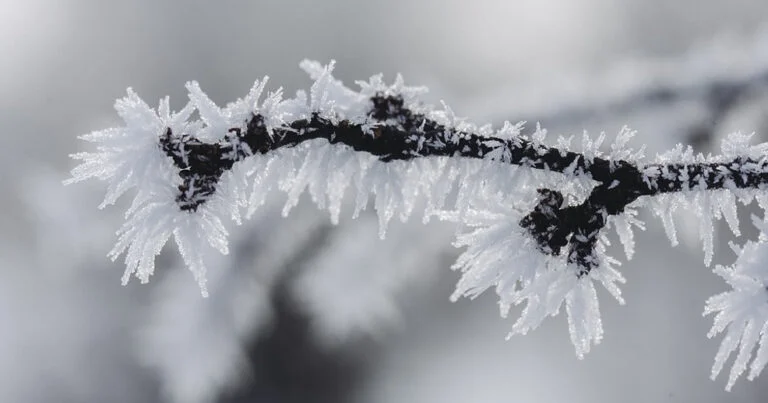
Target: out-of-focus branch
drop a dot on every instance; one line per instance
(719, 95)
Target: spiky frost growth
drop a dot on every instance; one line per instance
(501, 255)
(533, 217)
(742, 313)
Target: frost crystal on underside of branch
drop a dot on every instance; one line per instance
(742, 313)
(501, 255)
(534, 218)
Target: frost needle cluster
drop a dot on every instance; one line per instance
(533, 218)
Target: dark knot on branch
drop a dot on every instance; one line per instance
(554, 226)
(547, 223)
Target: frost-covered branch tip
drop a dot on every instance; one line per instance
(536, 214)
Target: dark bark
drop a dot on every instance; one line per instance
(394, 132)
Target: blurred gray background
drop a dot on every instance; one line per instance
(307, 312)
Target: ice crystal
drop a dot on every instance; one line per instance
(503, 256)
(544, 252)
(129, 157)
(742, 313)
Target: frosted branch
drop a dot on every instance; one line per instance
(536, 215)
(394, 132)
